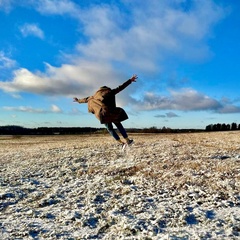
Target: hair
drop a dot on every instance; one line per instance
(104, 87)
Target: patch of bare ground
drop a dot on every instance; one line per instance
(165, 186)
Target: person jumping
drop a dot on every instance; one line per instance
(103, 105)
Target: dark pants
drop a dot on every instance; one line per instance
(120, 128)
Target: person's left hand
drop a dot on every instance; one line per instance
(134, 78)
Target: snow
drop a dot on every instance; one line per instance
(165, 186)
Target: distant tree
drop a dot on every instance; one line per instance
(13, 129)
(209, 127)
(224, 127)
(151, 130)
(166, 130)
(234, 126)
(219, 126)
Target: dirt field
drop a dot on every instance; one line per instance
(165, 186)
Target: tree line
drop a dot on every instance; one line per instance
(18, 130)
(223, 127)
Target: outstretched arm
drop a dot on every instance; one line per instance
(124, 85)
(83, 100)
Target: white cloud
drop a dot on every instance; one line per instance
(67, 80)
(50, 7)
(6, 5)
(29, 109)
(57, 7)
(83, 79)
(189, 99)
(31, 29)
(6, 62)
(150, 32)
(185, 100)
(24, 109)
(55, 109)
(167, 115)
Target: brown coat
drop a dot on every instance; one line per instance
(103, 104)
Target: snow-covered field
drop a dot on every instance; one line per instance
(173, 186)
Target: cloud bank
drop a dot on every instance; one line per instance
(29, 109)
(139, 39)
(183, 100)
(67, 80)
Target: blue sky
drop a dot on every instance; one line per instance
(185, 53)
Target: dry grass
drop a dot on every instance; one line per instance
(170, 159)
(177, 161)
(89, 185)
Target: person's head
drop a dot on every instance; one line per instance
(105, 87)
